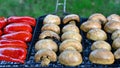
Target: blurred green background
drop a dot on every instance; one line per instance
(36, 8)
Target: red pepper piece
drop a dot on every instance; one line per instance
(1, 32)
(25, 19)
(15, 27)
(3, 22)
(21, 35)
(12, 43)
(13, 54)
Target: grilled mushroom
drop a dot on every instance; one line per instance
(99, 17)
(116, 43)
(115, 34)
(96, 34)
(70, 44)
(90, 24)
(111, 26)
(70, 58)
(71, 35)
(101, 56)
(52, 27)
(51, 19)
(100, 44)
(45, 56)
(114, 17)
(46, 44)
(49, 34)
(71, 17)
(117, 54)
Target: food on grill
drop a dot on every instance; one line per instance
(16, 27)
(114, 17)
(13, 54)
(101, 56)
(71, 35)
(70, 58)
(71, 17)
(90, 24)
(70, 44)
(46, 43)
(45, 56)
(117, 54)
(3, 22)
(54, 19)
(116, 43)
(111, 26)
(70, 27)
(96, 34)
(51, 27)
(49, 34)
(100, 44)
(22, 19)
(1, 32)
(98, 17)
(115, 34)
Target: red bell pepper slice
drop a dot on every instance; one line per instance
(3, 22)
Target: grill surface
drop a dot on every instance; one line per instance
(85, 54)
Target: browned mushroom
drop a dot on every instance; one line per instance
(99, 17)
(70, 43)
(52, 27)
(117, 54)
(70, 58)
(111, 26)
(45, 56)
(71, 35)
(46, 44)
(116, 43)
(96, 34)
(51, 19)
(49, 34)
(115, 34)
(71, 17)
(100, 44)
(101, 56)
(90, 24)
(114, 17)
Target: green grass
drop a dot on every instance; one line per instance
(36, 8)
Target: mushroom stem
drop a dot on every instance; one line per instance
(72, 22)
(70, 48)
(45, 61)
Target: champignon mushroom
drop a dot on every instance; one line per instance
(71, 35)
(100, 44)
(96, 34)
(116, 43)
(45, 56)
(46, 44)
(98, 16)
(52, 27)
(70, 58)
(114, 17)
(51, 19)
(90, 24)
(117, 54)
(71, 17)
(115, 34)
(111, 26)
(70, 27)
(49, 34)
(70, 44)
(101, 56)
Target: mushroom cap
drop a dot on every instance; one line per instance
(116, 43)
(52, 19)
(114, 17)
(117, 54)
(115, 34)
(111, 26)
(46, 44)
(49, 34)
(70, 27)
(51, 27)
(90, 24)
(101, 56)
(70, 58)
(45, 52)
(70, 43)
(71, 17)
(71, 35)
(96, 34)
(100, 44)
(98, 16)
